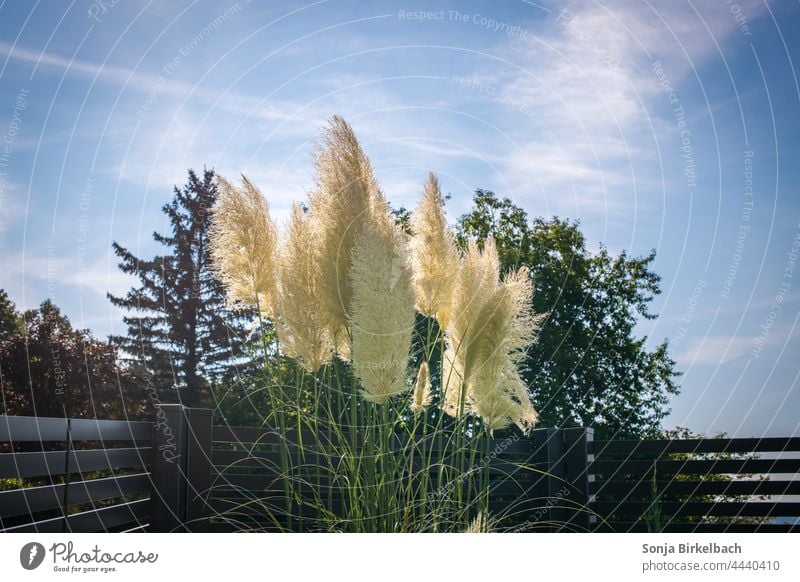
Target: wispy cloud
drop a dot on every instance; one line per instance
(120, 75)
(157, 84)
(715, 350)
(64, 273)
(584, 90)
(10, 208)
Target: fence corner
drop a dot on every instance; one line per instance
(180, 467)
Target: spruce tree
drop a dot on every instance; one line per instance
(180, 333)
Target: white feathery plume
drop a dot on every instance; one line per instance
(382, 317)
(434, 256)
(243, 241)
(301, 325)
(422, 390)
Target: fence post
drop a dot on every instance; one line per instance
(576, 463)
(198, 465)
(180, 467)
(549, 444)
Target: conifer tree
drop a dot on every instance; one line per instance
(180, 333)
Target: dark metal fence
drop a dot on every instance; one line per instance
(181, 473)
(537, 483)
(697, 485)
(64, 475)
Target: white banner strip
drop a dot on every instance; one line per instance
(401, 557)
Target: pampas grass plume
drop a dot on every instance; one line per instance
(422, 389)
(243, 242)
(483, 523)
(475, 286)
(302, 327)
(499, 394)
(382, 319)
(492, 326)
(347, 196)
(434, 257)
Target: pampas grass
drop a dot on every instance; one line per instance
(243, 242)
(382, 319)
(347, 196)
(498, 393)
(433, 255)
(483, 523)
(302, 327)
(422, 390)
(348, 281)
(476, 284)
(492, 325)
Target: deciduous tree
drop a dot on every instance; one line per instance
(588, 368)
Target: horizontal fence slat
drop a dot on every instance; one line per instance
(270, 483)
(50, 463)
(663, 468)
(697, 508)
(137, 528)
(622, 489)
(41, 429)
(249, 435)
(100, 520)
(228, 460)
(253, 517)
(268, 460)
(246, 434)
(34, 499)
(32, 428)
(267, 482)
(269, 436)
(110, 430)
(710, 445)
(247, 482)
(216, 527)
(259, 508)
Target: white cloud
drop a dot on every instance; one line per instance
(583, 89)
(715, 350)
(10, 209)
(148, 83)
(100, 275)
(577, 91)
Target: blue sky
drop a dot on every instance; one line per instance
(667, 125)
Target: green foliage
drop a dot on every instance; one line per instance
(652, 517)
(588, 368)
(11, 484)
(10, 320)
(243, 400)
(402, 217)
(50, 369)
(180, 332)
